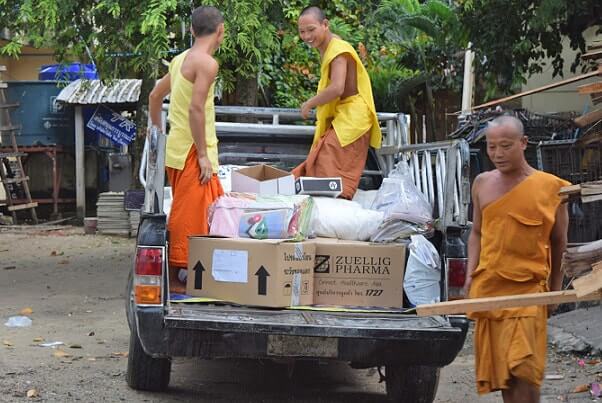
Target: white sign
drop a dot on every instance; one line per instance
(230, 266)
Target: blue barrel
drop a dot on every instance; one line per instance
(44, 122)
(68, 72)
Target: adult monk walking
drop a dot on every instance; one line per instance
(191, 154)
(518, 236)
(346, 122)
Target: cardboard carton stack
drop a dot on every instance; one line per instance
(278, 273)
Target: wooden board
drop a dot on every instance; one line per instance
(588, 118)
(590, 199)
(597, 54)
(511, 301)
(541, 89)
(588, 284)
(591, 88)
(569, 190)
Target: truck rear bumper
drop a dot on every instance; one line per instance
(363, 339)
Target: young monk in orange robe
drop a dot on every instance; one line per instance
(518, 236)
(191, 156)
(346, 124)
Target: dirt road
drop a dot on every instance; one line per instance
(74, 285)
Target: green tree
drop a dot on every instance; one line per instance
(514, 38)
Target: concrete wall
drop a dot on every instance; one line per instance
(561, 99)
(28, 64)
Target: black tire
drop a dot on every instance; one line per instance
(412, 384)
(144, 371)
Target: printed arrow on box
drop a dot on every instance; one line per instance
(262, 280)
(198, 275)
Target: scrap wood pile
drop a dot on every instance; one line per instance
(588, 192)
(580, 260)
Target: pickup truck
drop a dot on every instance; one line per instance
(411, 349)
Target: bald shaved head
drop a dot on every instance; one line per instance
(506, 144)
(315, 12)
(510, 123)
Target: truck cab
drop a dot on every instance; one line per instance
(411, 349)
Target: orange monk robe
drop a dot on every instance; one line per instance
(515, 259)
(345, 128)
(189, 208)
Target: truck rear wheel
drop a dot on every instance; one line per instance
(144, 371)
(411, 384)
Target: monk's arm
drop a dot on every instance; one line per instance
(474, 240)
(558, 241)
(155, 99)
(204, 77)
(338, 73)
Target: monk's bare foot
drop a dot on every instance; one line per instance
(175, 285)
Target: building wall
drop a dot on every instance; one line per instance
(28, 64)
(560, 99)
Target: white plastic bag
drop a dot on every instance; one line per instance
(365, 198)
(344, 219)
(399, 198)
(423, 272)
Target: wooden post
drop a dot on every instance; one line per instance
(80, 174)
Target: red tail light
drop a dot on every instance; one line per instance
(456, 272)
(149, 261)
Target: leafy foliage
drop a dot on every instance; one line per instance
(514, 38)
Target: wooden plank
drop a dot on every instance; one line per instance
(9, 106)
(540, 89)
(3, 85)
(594, 46)
(2, 67)
(590, 199)
(569, 190)
(22, 206)
(595, 55)
(511, 301)
(590, 88)
(588, 284)
(16, 180)
(591, 188)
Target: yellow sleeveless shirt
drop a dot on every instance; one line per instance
(353, 116)
(180, 139)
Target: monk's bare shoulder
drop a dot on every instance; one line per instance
(484, 179)
(204, 62)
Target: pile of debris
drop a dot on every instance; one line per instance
(580, 260)
(587, 192)
(113, 219)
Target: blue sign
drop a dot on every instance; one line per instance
(112, 125)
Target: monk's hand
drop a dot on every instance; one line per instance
(305, 110)
(206, 169)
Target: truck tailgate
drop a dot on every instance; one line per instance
(304, 323)
(366, 339)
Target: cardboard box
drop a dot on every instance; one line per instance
(329, 187)
(270, 273)
(263, 180)
(350, 273)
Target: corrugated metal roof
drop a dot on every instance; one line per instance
(88, 92)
